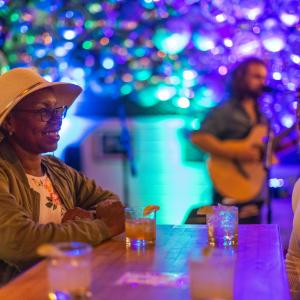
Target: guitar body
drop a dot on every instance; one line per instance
(241, 181)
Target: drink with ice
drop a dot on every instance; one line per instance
(140, 229)
(222, 226)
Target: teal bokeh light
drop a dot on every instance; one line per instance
(165, 92)
(146, 96)
(205, 98)
(181, 102)
(203, 42)
(169, 42)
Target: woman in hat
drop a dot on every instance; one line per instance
(42, 200)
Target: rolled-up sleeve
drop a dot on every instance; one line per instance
(214, 123)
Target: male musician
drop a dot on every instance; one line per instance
(234, 120)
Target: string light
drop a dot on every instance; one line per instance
(153, 50)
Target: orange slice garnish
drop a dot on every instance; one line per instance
(150, 208)
(205, 210)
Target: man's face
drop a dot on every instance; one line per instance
(30, 132)
(255, 79)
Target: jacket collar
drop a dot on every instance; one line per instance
(8, 153)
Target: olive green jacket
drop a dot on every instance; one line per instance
(20, 231)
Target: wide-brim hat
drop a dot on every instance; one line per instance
(18, 83)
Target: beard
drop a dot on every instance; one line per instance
(251, 93)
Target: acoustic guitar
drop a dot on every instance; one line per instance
(242, 181)
(239, 180)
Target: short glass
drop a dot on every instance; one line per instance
(140, 230)
(212, 274)
(222, 226)
(69, 273)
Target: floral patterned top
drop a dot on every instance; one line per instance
(51, 208)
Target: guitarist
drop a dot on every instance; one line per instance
(232, 120)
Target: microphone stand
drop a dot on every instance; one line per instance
(267, 166)
(127, 153)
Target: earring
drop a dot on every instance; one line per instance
(10, 133)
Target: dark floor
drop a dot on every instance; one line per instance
(283, 216)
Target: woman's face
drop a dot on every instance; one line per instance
(30, 132)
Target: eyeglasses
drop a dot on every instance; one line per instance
(47, 114)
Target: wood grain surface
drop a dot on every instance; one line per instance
(260, 270)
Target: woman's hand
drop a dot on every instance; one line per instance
(77, 213)
(111, 212)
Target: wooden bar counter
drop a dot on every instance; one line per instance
(260, 270)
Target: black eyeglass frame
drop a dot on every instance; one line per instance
(47, 114)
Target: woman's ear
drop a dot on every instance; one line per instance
(7, 125)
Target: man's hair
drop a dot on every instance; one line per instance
(236, 87)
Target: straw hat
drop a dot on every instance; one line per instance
(20, 82)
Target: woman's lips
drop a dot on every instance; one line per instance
(53, 135)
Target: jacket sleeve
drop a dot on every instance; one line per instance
(20, 235)
(88, 193)
(85, 192)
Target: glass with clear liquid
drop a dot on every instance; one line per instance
(222, 226)
(69, 274)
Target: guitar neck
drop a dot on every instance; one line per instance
(277, 140)
(286, 145)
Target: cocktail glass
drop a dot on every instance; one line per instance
(140, 229)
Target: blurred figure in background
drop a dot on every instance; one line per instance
(234, 120)
(42, 200)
